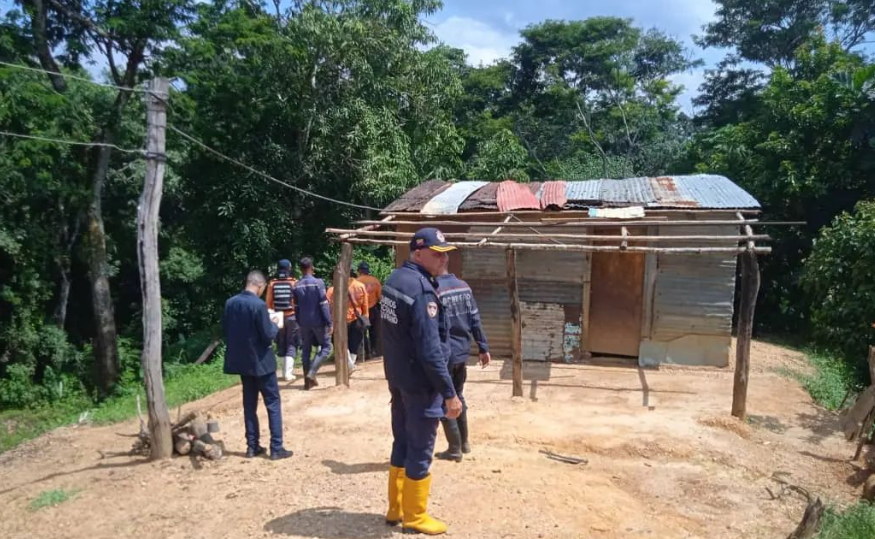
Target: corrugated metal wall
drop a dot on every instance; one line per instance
(550, 286)
(694, 293)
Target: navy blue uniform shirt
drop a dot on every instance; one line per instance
(464, 317)
(415, 333)
(249, 336)
(311, 305)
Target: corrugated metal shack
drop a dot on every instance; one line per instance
(641, 268)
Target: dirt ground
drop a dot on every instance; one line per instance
(665, 461)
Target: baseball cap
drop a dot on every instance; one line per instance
(285, 264)
(430, 238)
(364, 266)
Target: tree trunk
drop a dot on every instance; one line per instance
(341, 338)
(150, 283)
(750, 286)
(65, 257)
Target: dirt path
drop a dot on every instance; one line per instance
(665, 461)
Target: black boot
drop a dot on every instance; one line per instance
(454, 439)
(463, 430)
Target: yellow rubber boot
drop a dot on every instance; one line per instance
(396, 485)
(414, 501)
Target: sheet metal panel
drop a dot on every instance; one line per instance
(417, 197)
(552, 195)
(543, 331)
(550, 266)
(583, 191)
(515, 196)
(447, 202)
(493, 301)
(482, 199)
(717, 192)
(631, 191)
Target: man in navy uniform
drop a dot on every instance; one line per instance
(464, 316)
(415, 352)
(249, 335)
(314, 320)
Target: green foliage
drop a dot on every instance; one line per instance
(832, 378)
(840, 281)
(51, 498)
(855, 522)
(500, 157)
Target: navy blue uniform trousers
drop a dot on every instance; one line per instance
(311, 337)
(270, 392)
(288, 339)
(415, 417)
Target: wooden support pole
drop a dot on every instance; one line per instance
(598, 223)
(147, 254)
(341, 298)
(516, 341)
(750, 286)
(871, 360)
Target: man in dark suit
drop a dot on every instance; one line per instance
(249, 335)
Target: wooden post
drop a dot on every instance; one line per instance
(516, 341)
(585, 307)
(871, 360)
(750, 286)
(341, 298)
(147, 254)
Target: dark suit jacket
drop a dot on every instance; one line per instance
(249, 336)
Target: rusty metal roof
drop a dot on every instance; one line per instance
(552, 195)
(515, 196)
(702, 191)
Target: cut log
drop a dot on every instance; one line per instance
(182, 445)
(810, 521)
(207, 353)
(210, 451)
(198, 428)
(186, 419)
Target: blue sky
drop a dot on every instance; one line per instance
(488, 29)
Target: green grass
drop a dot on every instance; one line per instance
(182, 383)
(855, 522)
(830, 381)
(51, 498)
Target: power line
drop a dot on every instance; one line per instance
(268, 176)
(74, 77)
(72, 142)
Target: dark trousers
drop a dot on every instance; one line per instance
(311, 337)
(288, 339)
(373, 341)
(354, 336)
(415, 419)
(270, 393)
(459, 374)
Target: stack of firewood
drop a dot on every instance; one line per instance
(858, 422)
(192, 435)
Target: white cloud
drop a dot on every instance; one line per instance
(690, 80)
(483, 43)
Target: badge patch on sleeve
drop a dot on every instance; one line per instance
(432, 309)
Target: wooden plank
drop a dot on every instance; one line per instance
(750, 286)
(871, 360)
(148, 212)
(650, 273)
(497, 235)
(600, 223)
(341, 298)
(576, 247)
(516, 324)
(585, 308)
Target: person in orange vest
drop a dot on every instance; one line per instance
(279, 299)
(375, 291)
(357, 320)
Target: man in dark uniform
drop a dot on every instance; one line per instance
(314, 320)
(458, 300)
(415, 351)
(249, 335)
(279, 298)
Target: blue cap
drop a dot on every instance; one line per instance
(364, 266)
(430, 238)
(285, 264)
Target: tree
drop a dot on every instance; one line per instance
(108, 30)
(500, 157)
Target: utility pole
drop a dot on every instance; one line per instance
(147, 254)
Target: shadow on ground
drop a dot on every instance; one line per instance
(341, 468)
(330, 523)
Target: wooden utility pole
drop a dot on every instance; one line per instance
(750, 286)
(516, 340)
(341, 299)
(147, 254)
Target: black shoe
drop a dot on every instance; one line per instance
(454, 439)
(257, 452)
(448, 455)
(313, 382)
(306, 384)
(280, 454)
(466, 447)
